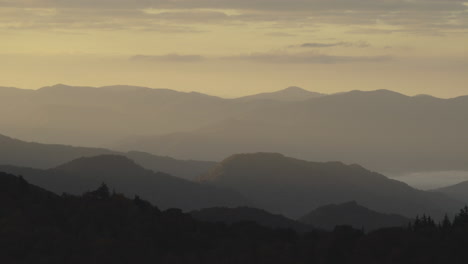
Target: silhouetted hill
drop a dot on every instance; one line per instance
(292, 187)
(186, 169)
(121, 173)
(100, 226)
(31, 154)
(43, 156)
(352, 214)
(289, 94)
(17, 193)
(247, 214)
(458, 191)
(103, 227)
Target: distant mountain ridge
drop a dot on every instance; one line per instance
(458, 191)
(382, 130)
(290, 94)
(352, 214)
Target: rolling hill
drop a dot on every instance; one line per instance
(294, 187)
(44, 156)
(122, 174)
(458, 191)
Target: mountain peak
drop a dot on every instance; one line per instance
(57, 86)
(290, 94)
(380, 92)
(295, 88)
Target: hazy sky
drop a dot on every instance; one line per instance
(238, 47)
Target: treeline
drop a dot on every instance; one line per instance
(102, 226)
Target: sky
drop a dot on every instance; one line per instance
(237, 47)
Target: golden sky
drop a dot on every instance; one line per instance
(238, 47)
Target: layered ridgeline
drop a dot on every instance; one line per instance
(294, 187)
(458, 191)
(88, 116)
(352, 214)
(124, 175)
(44, 156)
(249, 214)
(381, 130)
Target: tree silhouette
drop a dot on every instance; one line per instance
(446, 223)
(461, 219)
(100, 193)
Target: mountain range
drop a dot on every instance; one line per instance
(381, 130)
(269, 181)
(294, 187)
(122, 174)
(45, 156)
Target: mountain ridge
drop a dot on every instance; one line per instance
(457, 191)
(45, 156)
(123, 174)
(291, 186)
(290, 94)
(352, 214)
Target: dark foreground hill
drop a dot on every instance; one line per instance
(352, 214)
(37, 226)
(45, 156)
(247, 214)
(123, 174)
(293, 187)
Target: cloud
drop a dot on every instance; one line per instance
(360, 44)
(408, 15)
(279, 34)
(173, 57)
(271, 58)
(284, 5)
(62, 19)
(306, 58)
